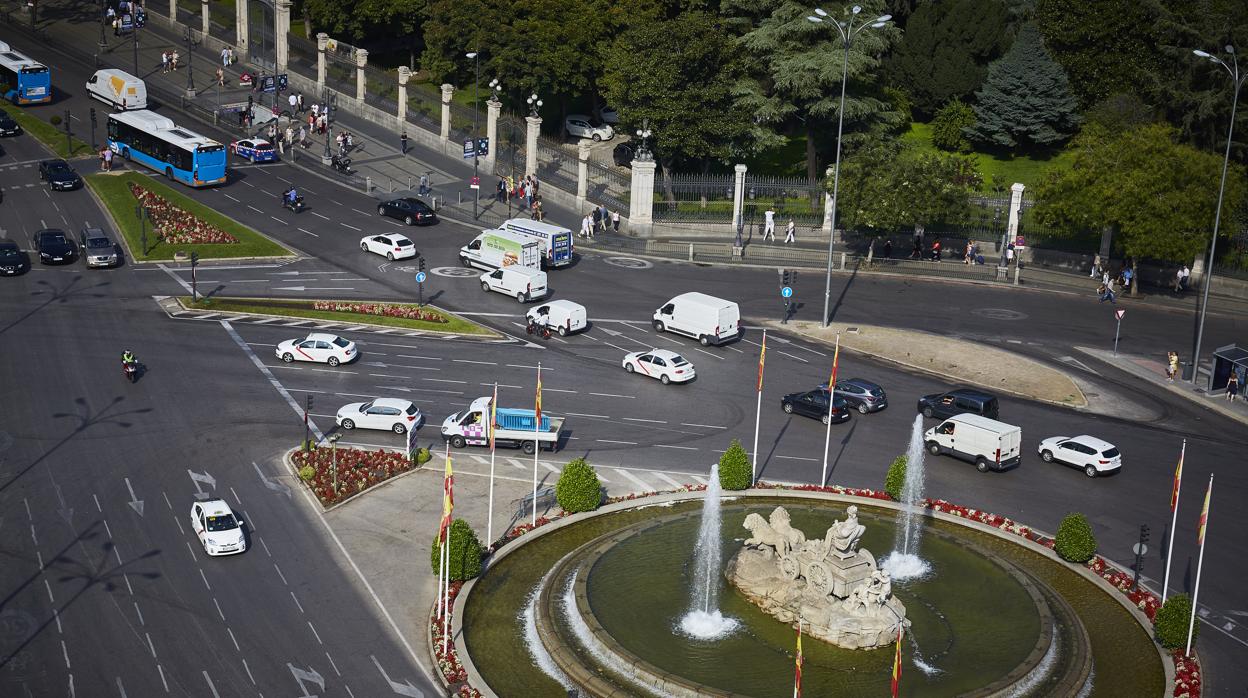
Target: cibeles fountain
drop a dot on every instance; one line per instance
(829, 585)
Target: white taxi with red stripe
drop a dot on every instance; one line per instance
(660, 364)
(318, 347)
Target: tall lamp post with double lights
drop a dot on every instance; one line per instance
(1237, 81)
(191, 43)
(476, 85)
(848, 31)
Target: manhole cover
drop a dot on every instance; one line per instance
(629, 262)
(999, 314)
(456, 272)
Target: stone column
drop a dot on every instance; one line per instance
(1016, 209)
(530, 143)
(203, 16)
(493, 108)
(322, 45)
(641, 198)
(405, 74)
(583, 148)
(738, 195)
(173, 10)
(361, 60)
(281, 34)
(827, 206)
(242, 28)
(448, 91)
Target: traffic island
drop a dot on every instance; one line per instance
(950, 359)
(337, 475)
(158, 222)
(408, 316)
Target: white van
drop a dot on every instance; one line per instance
(564, 317)
(556, 242)
(708, 319)
(117, 88)
(493, 249)
(522, 283)
(985, 442)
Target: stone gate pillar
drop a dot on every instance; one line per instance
(361, 60)
(827, 205)
(242, 28)
(173, 10)
(448, 91)
(493, 108)
(582, 172)
(641, 198)
(322, 45)
(534, 127)
(405, 74)
(281, 35)
(738, 196)
(204, 19)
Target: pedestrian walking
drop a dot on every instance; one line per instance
(316, 110)
(529, 193)
(164, 61)
(225, 57)
(969, 257)
(299, 102)
(322, 124)
(1232, 387)
(604, 220)
(403, 143)
(108, 160)
(1183, 276)
(173, 61)
(888, 249)
(1009, 255)
(500, 191)
(584, 227)
(936, 250)
(1106, 293)
(790, 233)
(1096, 267)
(1172, 365)
(220, 78)
(293, 101)
(424, 184)
(303, 136)
(769, 224)
(615, 221)
(538, 213)
(596, 216)
(116, 26)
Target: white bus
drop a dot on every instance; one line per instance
(156, 142)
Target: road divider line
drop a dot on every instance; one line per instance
(351, 227)
(791, 356)
(309, 232)
(649, 421)
(682, 448)
(254, 208)
(559, 390)
(629, 397)
(815, 460)
(319, 215)
(579, 414)
(612, 441)
(277, 385)
(716, 356)
(504, 385)
(705, 426)
(470, 361)
(444, 380)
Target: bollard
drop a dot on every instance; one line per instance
(691, 252)
(842, 261)
(1017, 270)
(461, 196)
(368, 184)
(409, 182)
(391, 184)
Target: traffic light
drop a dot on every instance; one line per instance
(420, 263)
(194, 259)
(1144, 533)
(786, 278)
(92, 116)
(309, 402)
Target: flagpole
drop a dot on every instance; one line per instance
(758, 410)
(827, 437)
(489, 521)
(1174, 518)
(1200, 561)
(446, 588)
(537, 425)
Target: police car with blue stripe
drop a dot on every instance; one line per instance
(254, 149)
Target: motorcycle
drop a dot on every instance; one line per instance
(342, 164)
(295, 206)
(131, 370)
(542, 330)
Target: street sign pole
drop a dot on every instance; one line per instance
(420, 285)
(1118, 314)
(1140, 549)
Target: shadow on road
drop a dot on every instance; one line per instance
(55, 295)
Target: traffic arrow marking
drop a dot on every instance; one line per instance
(135, 503)
(310, 675)
(613, 333)
(205, 479)
(271, 483)
(403, 689)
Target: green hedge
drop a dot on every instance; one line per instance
(578, 488)
(735, 472)
(465, 552)
(896, 478)
(1075, 541)
(1171, 622)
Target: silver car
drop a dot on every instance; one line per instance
(581, 126)
(99, 249)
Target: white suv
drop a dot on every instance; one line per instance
(582, 126)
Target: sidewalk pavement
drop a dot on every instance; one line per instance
(1152, 370)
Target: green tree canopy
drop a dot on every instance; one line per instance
(353, 20)
(1026, 101)
(889, 187)
(1158, 194)
(945, 51)
(1106, 46)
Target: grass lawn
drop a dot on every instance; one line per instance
(1001, 170)
(49, 135)
(114, 192)
(303, 309)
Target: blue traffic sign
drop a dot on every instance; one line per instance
(470, 148)
(787, 292)
(420, 277)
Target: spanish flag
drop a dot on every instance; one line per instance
(1178, 478)
(1204, 515)
(897, 664)
(762, 356)
(448, 497)
(797, 680)
(493, 416)
(538, 409)
(836, 359)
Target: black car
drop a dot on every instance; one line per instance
(8, 127)
(410, 211)
(860, 394)
(54, 247)
(960, 401)
(59, 175)
(13, 260)
(814, 404)
(622, 155)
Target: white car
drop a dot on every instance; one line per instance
(390, 414)
(1094, 456)
(582, 126)
(667, 366)
(610, 115)
(319, 347)
(390, 246)
(218, 529)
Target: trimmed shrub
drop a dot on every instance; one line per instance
(423, 456)
(947, 127)
(578, 488)
(465, 552)
(896, 478)
(734, 468)
(1075, 541)
(306, 473)
(1170, 623)
(55, 120)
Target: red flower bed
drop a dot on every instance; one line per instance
(1186, 676)
(357, 470)
(407, 312)
(174, 225)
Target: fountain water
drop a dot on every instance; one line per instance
(904, 562)
(704, 619)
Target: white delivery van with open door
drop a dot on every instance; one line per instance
(987, 443)
(708, 319)
(117, 88)
(564, 317)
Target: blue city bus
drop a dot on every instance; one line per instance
(25, 80)
(155, 141)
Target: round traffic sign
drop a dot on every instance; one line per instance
(420, 277)
(787, 291)
(1140, 549)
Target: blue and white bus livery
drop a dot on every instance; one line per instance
(25, 80)
(156, 142)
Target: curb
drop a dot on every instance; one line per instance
(289, 462)
(1189, 394)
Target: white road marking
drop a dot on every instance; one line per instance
(318, 635)
(254, 208)
(205, 578)
(792, 356)
(517, 463)
(233, 639)
(813, 460)
(667, 479)
(638, 419)
(717, 356)
(253, 679)
(277, 385)
(279, 573)
(309, 232)
(682, 448)
(634, 479)
(319, 215)
(210, 686)
(218, 605)
(705, 426)
(296, 600)
(610, 441)
(579, 414)
(556, 390)
(630, 397)
(351, 227)
(470, 361)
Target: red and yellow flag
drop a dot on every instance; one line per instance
(1178, 478)
(1204, 515)
(897, 664)
(797, 679)
(538, 409)
(493, 416)
(836, 359)
(762, 356)
(448, 497)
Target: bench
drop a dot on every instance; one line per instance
(545, 498)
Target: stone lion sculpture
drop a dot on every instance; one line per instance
(777, 533)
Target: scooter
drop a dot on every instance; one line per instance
(342, 164)
(295, 206)
(542, 330)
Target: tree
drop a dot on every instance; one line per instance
(948, 128)
(887, 187)
(1172, 621)
(735, 472)
(945, 50)
(1106, 47)
(794, 74)
(1075, 541)
(1156, 193)
(452, 28)
(678, 74)
(578, 488)
(1026, 101)
(353, 20)
(896, 477)
(464, 550)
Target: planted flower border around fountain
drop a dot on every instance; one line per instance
(467, 681)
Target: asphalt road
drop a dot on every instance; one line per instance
(211, 408)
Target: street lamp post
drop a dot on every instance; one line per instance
(1237, 81)
(190, 62)
(848, 31)
(476, 86)
(134, 28)
(333, 460)
(103, 19)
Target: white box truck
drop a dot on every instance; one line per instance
(118, 89)
(987, 443)
(495, 249)
(515, 428)
(708, 319)
(556, 241)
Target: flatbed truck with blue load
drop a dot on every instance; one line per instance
(516, 428)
